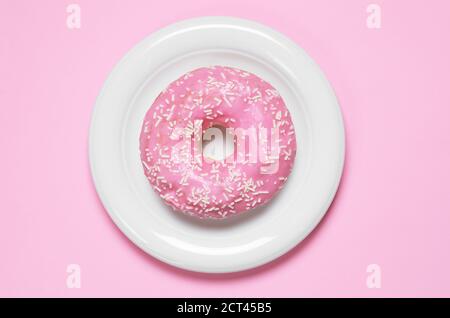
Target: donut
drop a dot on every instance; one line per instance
(174, 129)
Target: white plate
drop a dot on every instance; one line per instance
(248, 240)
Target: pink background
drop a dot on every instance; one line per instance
(393, 207)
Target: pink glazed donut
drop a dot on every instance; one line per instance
(264, 143)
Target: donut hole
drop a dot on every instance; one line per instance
(217, 143)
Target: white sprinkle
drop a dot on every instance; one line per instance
(278, 115)
(227, 101)
(145, 165)
(260, 192)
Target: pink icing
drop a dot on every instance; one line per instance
(222, 96)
